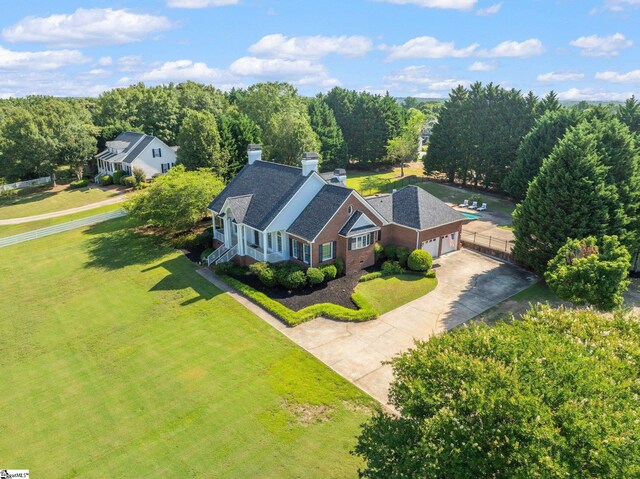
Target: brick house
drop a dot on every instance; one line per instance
(273, 212)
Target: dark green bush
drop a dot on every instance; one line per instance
(402, 254)
(295, 280)
(128, 181)
(224, 268)
(371, 276)
(378, 249)
(390, 251)
(117, 177)
(365, 312)
(78, 184)
(267, 277)
(329, 272)
(339, 264)
(257, 268)
(205, 254)
(391, 267)
(315, 276)
(420, 260)
(105, 180)
(237, 270)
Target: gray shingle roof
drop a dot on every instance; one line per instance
(319, 211)
(272, 186)
(414, 207)
(239, 206)
(350, 222)
(132, 154)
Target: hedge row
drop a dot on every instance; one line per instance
(365, 312)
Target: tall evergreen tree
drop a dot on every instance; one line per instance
(570, 198)
(333, 147)
(237, 132)
(199, 143)
(551, 102)
(288, 136)
(629, 114)
(536, 146)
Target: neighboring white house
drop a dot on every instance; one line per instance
(136, 150)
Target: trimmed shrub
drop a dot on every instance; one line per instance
(339, 264)
(140, 175)
(117, 177)
(315, 276)
(390, 251)
(224, 268)
(78, 184)
(259, 267)
(402, 254)
(329, 272)
(420, 260)
(294, 280)
(105, 180)
(430, 274)
(365, 312)
(267, 277)
(378, 249)
(128, 181)
(391, 267)
(371, 276)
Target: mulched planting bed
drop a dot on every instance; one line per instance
(337, 291)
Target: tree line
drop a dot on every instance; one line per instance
(212, 128)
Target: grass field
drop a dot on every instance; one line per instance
(388, 293)
(118, 360)
(36, 201)
(10, 230)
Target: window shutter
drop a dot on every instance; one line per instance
(153, 152)
(159, 152)
(350, 245)
(379, 235)
(335, 243)
(372, 238)
(320, 258)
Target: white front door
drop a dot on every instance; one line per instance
(449, 243)
(431, 246)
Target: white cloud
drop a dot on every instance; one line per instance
(428, 47)
(200, 3)
(42, 60)
(418, 78)
(266, 67)
(591, 94)
(618, 5)
(54, 83)
(481, 67)
(281, 46)
(87, 27)
(527, 48)
(444, 4)
(105, 61)
(616, 77)
(492, 10)
(98, 72)
(183, 70)
(130, 63)
(560, 76)
(596, 46)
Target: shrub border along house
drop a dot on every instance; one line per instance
(366, 312)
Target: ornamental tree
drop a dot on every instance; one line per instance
(589, 271)
(177, 200)
(553, 395)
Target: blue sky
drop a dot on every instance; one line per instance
(583, 49)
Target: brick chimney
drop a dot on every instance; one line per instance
(309, 162)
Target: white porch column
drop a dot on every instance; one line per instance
(241, 239)
(227, 231)
(264, 245)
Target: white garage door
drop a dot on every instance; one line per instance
(449, 243)
(431, 246)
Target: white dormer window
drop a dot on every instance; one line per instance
(156, 152)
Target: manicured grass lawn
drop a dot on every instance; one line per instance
(36, 201)
(10, 230)
(118, 360)
(390, 292)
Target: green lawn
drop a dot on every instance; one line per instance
(390, 292)
(10, 230)
(36, 201)
(118, 360)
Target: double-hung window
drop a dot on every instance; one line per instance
(156, 152)
(269, 241)
(279, 241)
(360, 242)
(306, 253)
(326, 252)
(294, 249)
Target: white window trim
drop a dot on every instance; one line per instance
(322, 256)
(361, 241)
(306, 253)
(294, 249)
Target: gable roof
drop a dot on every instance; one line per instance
(131, 143)
(139, 148)
(239, 206)
(319, 211)
(351, 226)
(271, 185)
(414, 207)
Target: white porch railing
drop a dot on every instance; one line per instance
(228, 256)
(213, 257)
(219, 235)
(258, 255)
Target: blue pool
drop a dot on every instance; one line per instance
(472, 216)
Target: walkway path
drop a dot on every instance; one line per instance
(468, 284)
(55, 214)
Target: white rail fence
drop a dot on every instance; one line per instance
(68, 226)
(24, 184)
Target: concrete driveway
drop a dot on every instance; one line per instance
(468, 284)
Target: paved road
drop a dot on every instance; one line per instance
(55, 214)
(468, 284)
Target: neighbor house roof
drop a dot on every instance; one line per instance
(271, 185)
(319, 211)
(137, 149)
(414, 207)
(131, 144)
